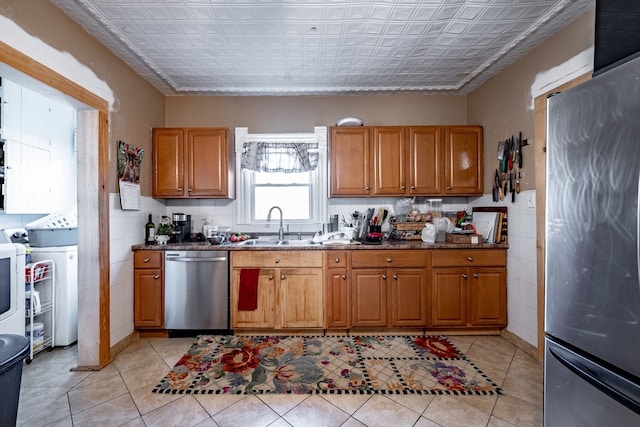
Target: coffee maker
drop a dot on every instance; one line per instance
(182, 225)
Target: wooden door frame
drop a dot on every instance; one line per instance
(94, 352)
(540, 150)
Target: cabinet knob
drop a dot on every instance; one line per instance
(465, 277)
(475, 275)
(395, 277)
(271, 277)
(157, 276)
(282, 277)
(366, 188)
(389, 259)
(384, 277)
(146, 260)
(180, 189)
(337, 260)
(277, 260)
(470, 258)
(404, 187)
(344, 277)
(189, 190)
(448, 187)
(413, 187)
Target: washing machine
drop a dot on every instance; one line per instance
(12, 288)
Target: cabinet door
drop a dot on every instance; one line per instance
(426, 160)
(369, 297)
(389, 161)
(208, 163)
(301, 298)
(408, 297)
(337, 298)
(449, 297)
(168, 153)
(463, 160)
(349, 161)
(488, 297)
(148, 298)
(264, 315)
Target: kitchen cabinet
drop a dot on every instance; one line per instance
(349, 161)
(468, 288)
(463, 163)
(148, 290)
(405, 161)
(389, 288)
(191, 163)
(337, 289)
(290, 289)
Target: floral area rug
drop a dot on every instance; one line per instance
(329, 364)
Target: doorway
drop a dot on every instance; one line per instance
(93, 204)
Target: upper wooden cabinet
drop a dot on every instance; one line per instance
(349, 161)
(191, 162)
(406, 161)
(463, 160)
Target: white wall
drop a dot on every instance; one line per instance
(521, 264)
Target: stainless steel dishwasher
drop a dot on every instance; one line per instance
(196, 290)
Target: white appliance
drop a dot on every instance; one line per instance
(65, 259)
(12, 292)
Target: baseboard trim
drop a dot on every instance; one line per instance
(521, 344)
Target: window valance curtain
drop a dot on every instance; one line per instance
(286, 157)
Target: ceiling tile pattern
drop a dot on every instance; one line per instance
(320, 47)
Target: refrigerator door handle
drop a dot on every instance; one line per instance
(638, 231)
(618, 388)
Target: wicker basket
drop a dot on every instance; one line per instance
(408, 230)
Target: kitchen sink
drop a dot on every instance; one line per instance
(270, 242)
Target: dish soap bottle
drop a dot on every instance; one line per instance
(150, 231)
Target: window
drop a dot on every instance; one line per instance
(285, 170)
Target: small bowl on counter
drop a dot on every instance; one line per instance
(216, 240)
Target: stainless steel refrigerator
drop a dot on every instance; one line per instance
(592, 303)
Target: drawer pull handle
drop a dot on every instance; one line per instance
(470, 258)
(389, 260)
(156, 277)
(465, 277)
(146, 260)
(337, 260)
(475, 275)
(384, 277)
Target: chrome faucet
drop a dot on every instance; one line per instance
(281, 230)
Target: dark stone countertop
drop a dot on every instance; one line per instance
(389, 244)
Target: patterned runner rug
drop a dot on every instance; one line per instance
(332, 364)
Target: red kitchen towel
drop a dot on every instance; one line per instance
(248, 292)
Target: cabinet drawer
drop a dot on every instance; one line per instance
(336, 259)
(384, 258)
(468, 258)
(276, 259)
(147, 259)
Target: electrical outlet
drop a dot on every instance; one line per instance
(531, 200)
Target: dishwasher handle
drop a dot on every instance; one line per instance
(191, 259)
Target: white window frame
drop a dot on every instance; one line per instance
(243, 187)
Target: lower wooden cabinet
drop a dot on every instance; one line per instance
(290, 289)
(148, 290)
(337, 289)
(468, 288)
(393, 293)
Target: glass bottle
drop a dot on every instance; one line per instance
(150, 231)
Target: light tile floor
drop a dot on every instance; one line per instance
(120, 395)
